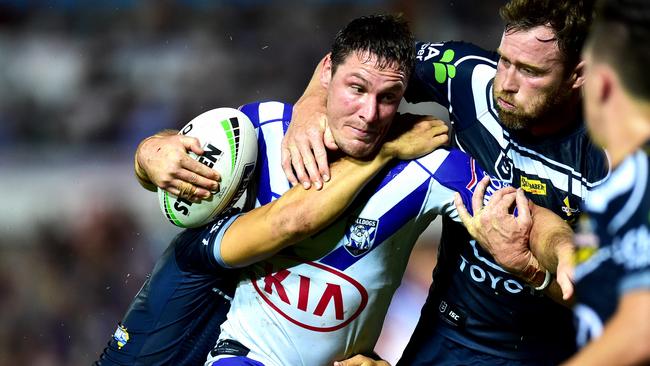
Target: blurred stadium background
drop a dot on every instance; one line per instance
(82, 81)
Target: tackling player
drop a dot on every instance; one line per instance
(517, 111)
(325, 297)
(613, 271)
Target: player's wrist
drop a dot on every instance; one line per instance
(140, 174)
(535, 275)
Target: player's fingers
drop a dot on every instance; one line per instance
(507, 200)
(564, 280)
(310, 165)
(202, 171)
(479, 193)
(183, 190)
(463, 214)
(299, 167)
(329, 141)
(320, 154)
(358, 360)
(203, 185)
(192, 144)
(523, 209)
(286, 164)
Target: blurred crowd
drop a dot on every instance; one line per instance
(82, 82)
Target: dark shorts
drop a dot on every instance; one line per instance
(175, 318)
(441, 351)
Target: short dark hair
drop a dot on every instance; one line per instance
(569, 19)
(621, 37)
(387, 37)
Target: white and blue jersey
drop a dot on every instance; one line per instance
(500, 314)
(325, 298)
(613, 245)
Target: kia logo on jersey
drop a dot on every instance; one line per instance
(360, 235)
(311, 295)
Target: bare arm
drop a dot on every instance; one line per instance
(162, 161)
(303, 146)
(299, 213)
(626, 337)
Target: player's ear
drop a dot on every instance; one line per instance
(326, 73)
(578, 75)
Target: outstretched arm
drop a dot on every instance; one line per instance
(300, 213)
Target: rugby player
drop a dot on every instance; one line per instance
(325, 297)
(191, 285)
(613, 270)
(517, 112)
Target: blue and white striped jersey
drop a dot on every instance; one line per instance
(613, 245)
(500, 313)
(325, 298)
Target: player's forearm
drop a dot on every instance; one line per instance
(625, 338)
(551, 242)
(140, 173)
(315, 95)
(298, 214)
(550, 238)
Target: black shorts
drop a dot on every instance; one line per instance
(175, 318)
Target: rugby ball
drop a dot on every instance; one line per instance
(229, 141)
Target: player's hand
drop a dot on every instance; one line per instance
(165, 161)
(303, 146)
(498, 231)
(360, 360)
(412, 136)
(565, 271)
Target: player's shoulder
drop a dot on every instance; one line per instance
(451, 52)
(263, 112)
(626, 189)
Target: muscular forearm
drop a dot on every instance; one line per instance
(626, 337)
(315, 94)
(297, 214)
(550, 238)
(551, 242)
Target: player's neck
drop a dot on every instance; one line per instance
(563, 119)
(560, 122)
(629, 132)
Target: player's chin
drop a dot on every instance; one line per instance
(359, 149)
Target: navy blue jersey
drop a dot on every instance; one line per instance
(614, 245)
(500, 314)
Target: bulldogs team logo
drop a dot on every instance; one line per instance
(361, 235)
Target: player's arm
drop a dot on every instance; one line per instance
(625, 337)
(162, 161)
(303, 146)
(525, 245)
(299, 213)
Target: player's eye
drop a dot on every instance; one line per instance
(530, 72)
(388, 98)
(357, 88)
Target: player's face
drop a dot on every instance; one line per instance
(362, 100)
(530, 80)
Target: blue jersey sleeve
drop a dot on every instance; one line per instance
(455, 171)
